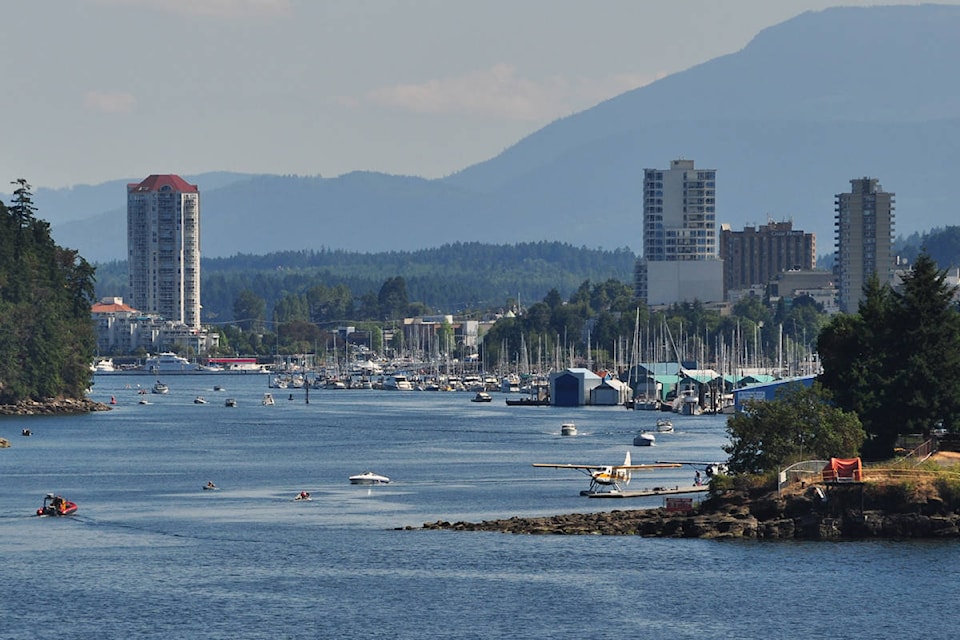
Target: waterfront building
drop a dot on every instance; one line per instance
(123, 330)
(864, 239)
(680, 259)
(753, 257)
(163, 248)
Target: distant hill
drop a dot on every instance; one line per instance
(788, 121)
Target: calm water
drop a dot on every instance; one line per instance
(151, 555)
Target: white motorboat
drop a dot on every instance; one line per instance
(160, 388)
(644, 439)
(568, 429)
(199, 400)
(482, 396)
(664, 426)
(268, 400)
(230, 402)
(397, 382)
(369, 477)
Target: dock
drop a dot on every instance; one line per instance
(645, 493)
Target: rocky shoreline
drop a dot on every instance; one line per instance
(805, 516)
(52, 407)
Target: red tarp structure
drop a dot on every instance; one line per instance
(843, 470)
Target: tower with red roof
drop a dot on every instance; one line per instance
(163, 248)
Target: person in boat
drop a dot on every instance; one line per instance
(210, 485)
(697, 479)
(303, 495)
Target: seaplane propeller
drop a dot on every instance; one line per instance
(609, 477)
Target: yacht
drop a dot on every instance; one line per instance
(397, 382)
(168, 362)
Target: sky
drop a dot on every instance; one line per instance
(99, 90)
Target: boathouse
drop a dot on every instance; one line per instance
(572, 387)
(611, 392)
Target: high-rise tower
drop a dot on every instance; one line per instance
(163, 248)
(864, 233)
(680, 260)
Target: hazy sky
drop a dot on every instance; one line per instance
(96, 90)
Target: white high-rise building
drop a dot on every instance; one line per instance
(163, 248)
(680, 260)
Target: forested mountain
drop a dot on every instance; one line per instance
(452, 278)
(787, 122)
(46, 335)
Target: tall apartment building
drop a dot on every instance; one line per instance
(753, 257)
(680, 260)
(163, 248)
(864, 234)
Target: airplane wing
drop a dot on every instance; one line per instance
(570, 466)
(641, 467)
(631, 467)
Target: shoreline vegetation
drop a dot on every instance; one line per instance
(923, 505)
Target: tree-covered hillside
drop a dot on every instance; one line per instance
(453, 278)
(46, 335)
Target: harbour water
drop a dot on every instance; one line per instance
(150, 554)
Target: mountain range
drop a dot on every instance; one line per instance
(787, 122)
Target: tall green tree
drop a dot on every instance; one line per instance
(249, 310)
(47, 338)
(896, 363)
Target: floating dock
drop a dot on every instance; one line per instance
(645, 493)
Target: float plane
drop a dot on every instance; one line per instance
(709, 468)
(610, 478)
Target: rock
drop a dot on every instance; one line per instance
(735, 515)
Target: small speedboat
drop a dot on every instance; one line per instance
(303, 495)
(230, 402)
(199, 400)
(369, 477)
(26, 432)
(664, 426)
(268, 400)
(568, 429)
(54, 505)
(644, 439)
(160, 388)
(210, 487)
(482, 396)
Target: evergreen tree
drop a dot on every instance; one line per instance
(47, 337)
(896, 363)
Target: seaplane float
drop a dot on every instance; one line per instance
(610, 479)
(369, 477)
(54, 505)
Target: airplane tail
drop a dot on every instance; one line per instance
(626, 460)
